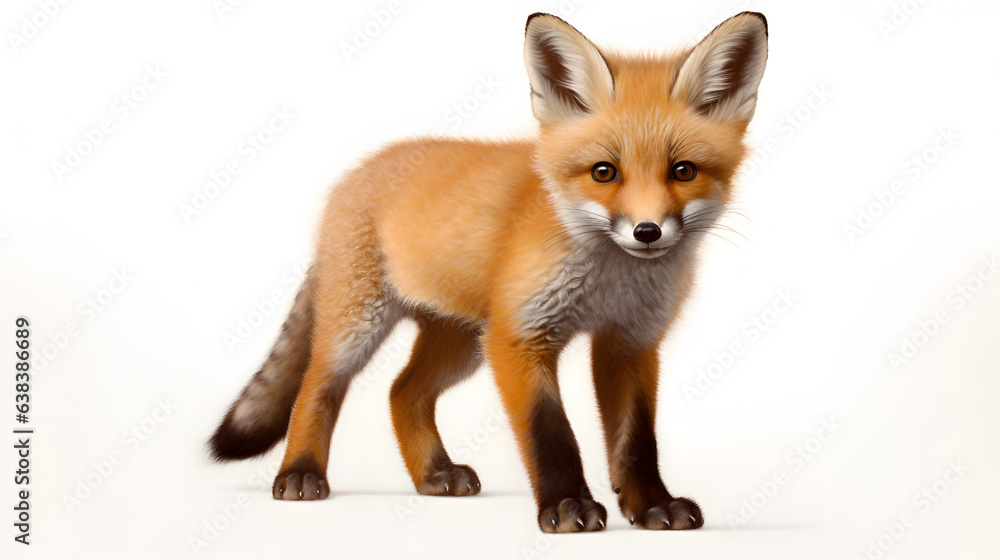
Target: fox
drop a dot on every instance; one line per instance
(501, 251)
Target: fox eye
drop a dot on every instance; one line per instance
(684, 171)
(604, 172)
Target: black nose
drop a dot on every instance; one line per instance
(647, 232)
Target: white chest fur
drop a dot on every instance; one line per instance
(599, 287)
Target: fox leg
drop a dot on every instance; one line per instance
(625, 382)
(354, 313)
(446, 352)
(525, 373)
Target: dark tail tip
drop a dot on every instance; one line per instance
(265, 405)
(234, 443)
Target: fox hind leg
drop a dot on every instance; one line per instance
(446, 352)
(355, 312)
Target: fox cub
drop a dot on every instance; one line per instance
(502, 251)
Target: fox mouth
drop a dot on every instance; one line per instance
(647, 252)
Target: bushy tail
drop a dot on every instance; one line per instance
(259, 417)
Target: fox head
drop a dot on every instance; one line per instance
(642, 148)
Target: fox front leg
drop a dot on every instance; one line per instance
(525, 372)
(625, 381)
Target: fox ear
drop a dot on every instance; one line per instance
(569, 77)
(720, 77)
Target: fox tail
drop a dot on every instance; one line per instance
(259, 417)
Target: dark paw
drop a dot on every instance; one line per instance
(300, 486)
(675, 514)
(573, 515)
(457, 480)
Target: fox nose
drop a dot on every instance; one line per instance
(647, 232)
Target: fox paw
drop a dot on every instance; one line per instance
(675, 514)
(573, 515)
(457, 480)
(300, 486)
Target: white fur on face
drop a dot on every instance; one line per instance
(694, 207)
(587, 221)
(701, 213)
(624, 236)
(670, 228)
(583, 219)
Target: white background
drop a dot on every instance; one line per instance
(887, 94)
